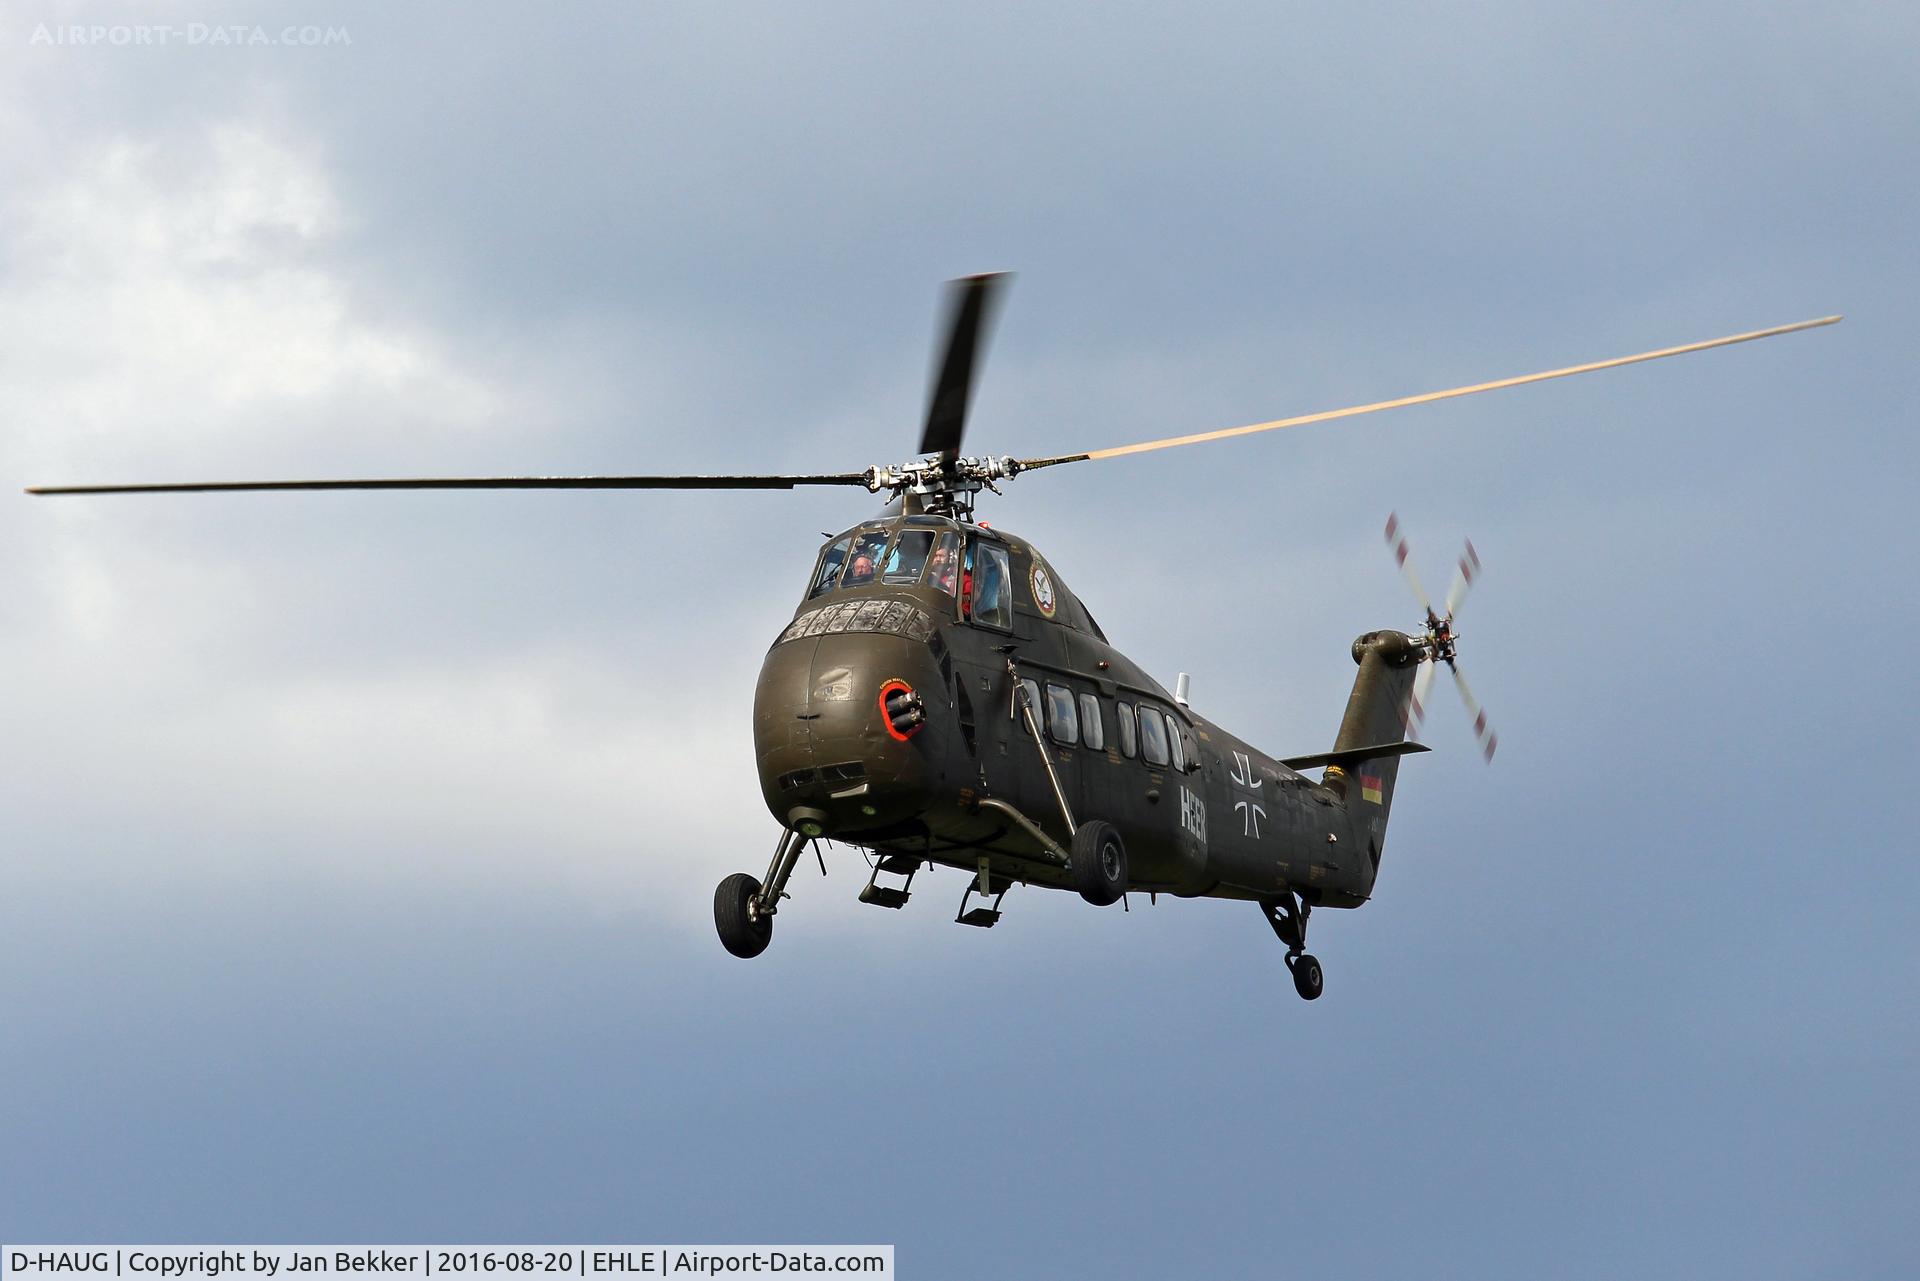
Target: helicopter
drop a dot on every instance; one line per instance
(941, 697)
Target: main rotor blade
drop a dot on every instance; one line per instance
(971, 303)
(473, 482)
(1326, 415)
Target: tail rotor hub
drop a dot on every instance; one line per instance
(1438, 641)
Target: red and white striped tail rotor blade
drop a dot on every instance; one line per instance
(1463, 578)
(1481, 730)
(1397, 540)
(1417, 700)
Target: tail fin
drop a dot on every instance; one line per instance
(1376, 716)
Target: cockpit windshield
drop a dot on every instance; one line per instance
(829, 568)
(907, 557)
(920, 552)
(892, 556)
(865, 559)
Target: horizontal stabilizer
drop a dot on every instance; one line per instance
(1354, 756)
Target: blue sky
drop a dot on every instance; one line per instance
(354, 883)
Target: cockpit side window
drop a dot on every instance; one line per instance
(908, 557)
(863, 563)
(992, 586)
(829, 568)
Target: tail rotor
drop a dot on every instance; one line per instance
(1481, 730)
(1403, 558)
(1463, 578)
(1438, 640)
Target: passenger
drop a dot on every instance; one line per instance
(944, 566)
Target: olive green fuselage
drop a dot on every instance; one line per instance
(1213, 816)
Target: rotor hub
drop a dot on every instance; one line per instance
(945, 485)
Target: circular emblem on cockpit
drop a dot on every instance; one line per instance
(1042, 586)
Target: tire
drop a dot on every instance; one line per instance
(1308, 981)
(1099, 863)
(742, 931)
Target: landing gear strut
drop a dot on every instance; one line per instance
(1288, 917)
(743, 908)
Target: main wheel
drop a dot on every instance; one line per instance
(1099, 863)
(743, 931)
(1308, 981)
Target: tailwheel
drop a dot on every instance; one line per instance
(745, 930)
(1308, 981)
(1099, 863)
(1288, 915)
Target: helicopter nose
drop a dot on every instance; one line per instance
(838, 733)
(782, 719)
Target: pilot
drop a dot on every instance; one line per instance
(861, 570)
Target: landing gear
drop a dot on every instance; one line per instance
(744, 930)
(1288, 917)
(1099, 863)
(1307, 979)
(743, 908)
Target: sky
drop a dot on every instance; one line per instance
(357, 850)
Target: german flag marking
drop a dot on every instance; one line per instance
(1370, 787)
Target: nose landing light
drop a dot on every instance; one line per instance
(807, 821)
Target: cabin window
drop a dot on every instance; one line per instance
(1124, 716)
(908, 557)
(1153, 737)
(944, 573)
(1063, 718)
(863, 562)
(1177, 741)
(992, 586)
(1033, 701)
(829, 568)
(1092, 731)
